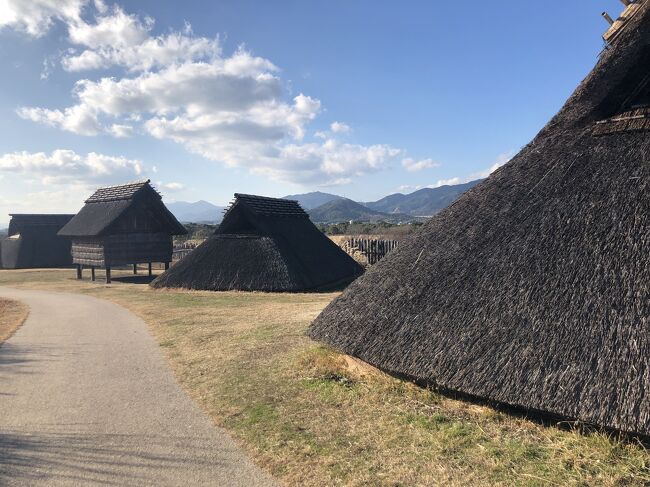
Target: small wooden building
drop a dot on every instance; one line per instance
(122, 225)
(32, 242)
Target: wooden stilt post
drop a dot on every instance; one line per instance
(135, 268)
(79, 271)
(92, 273)
(150, 272)
(108, 275)
(166, 265)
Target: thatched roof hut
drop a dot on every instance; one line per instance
(533, 289)
(121, 225)
(263, 244)
(32, 242)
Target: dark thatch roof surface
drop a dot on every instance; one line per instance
(263, 244)
(104, 208)
(533, 289)
(35, 242)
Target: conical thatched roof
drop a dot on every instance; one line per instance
(533, 289)
(263, 244)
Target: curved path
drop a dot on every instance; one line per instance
(86, 398)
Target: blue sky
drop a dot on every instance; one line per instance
(359, 98)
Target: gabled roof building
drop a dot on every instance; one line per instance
(122, 225)
(32, 242)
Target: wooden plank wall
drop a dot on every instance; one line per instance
(116, 250)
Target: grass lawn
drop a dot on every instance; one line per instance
(12, 315)
(311, 417)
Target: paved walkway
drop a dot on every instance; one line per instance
(86, 398)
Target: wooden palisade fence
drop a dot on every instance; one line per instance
(372, 249)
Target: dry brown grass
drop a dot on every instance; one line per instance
(12, 315)
(314, 417)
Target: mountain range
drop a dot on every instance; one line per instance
(198, 212)
(331, 208)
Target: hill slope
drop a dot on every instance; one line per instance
(344, 209)
(198, 212)
(424, 202)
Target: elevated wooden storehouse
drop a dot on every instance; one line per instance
(122, 225)
(263, 244)
(533, 289)
(32, 242)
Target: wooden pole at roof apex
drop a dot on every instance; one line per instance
(627, 3)
(608, 18)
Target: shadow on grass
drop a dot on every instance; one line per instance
(137, 279)
(542, 418)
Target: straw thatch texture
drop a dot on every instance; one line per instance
(263, 244)
(32, 242)
(120, 225)
(533, 289)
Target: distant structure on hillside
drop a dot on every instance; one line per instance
(263, 244)
(122, 225)
(32, 242)
(533, 288)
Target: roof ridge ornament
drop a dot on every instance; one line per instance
(618, 25)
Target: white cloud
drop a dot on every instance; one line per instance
(121, 131)
(66, 166)
(154, 52)
(117, 29)
(233, 109)
(329, 163)
(448, 182)
(171, 187)
(35, 17)
(412, 165)
(61, 200)
(79, 119)
(501, 160)
(340, 128)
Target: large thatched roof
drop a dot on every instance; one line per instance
(32, 242)
(533, 289)
(108, 205)
(263, 244)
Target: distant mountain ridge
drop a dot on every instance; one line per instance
(197, 212)
(332, 208)
(396, 207)
(313, 199)
(424, 202)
